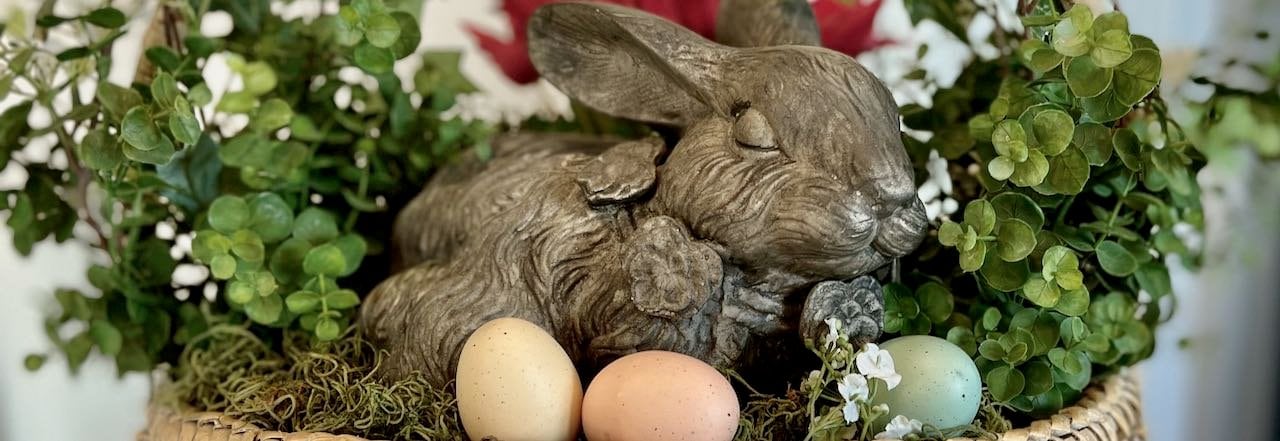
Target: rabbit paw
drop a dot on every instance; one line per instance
(670, 275)
(623, 173)
(857, 304)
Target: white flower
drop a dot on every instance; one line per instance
(812, 383)
(853, 387)
(899, 427)
(935, 192)
(850, 411)
(877, 363)
(833, 332)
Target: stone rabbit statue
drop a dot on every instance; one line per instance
(788, 182)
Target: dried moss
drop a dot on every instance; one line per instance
(305, 386)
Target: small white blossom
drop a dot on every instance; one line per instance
(877, 363)
(812, 383)
(833, 332)
(899, 427)
(935, 192)
(853, 388)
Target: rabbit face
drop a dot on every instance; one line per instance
(807, 172)
(791, 157)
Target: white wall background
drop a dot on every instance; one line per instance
(1223, 369)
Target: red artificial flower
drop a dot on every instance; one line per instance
(845, 26)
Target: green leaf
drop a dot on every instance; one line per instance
(964, 338)
(302, 302)
(137, 129)
(353, 249)
(183, 124)
(1053, 129)
(383, 30)
(1074, 302)
(348, 29)
(200, 47)
(1105, 107)
(1095, 141)
(980, 215)
(1115, 259)
(1031, 172)
(991, 319)
(106, 337)
(325, 260)
(1005, 276)
(248, 246)
(1015, 240)
(1005, 383)
(410, 35)
(108, 17)
(241, 292)
(1087, 79)
(1071, 36)
(1039, 56)
(240, 101)
(373, 59)
(164, 89)
(991, 350)
(972, 260)
(1073, 330)
(33, 362)
(982, 127)
(99, 151)
(327, 329)
(265, 310)
(1039, 377)
(1001, 167)
(223, 266)
(1111, 48)
(286, 261)
(73, 53)
(1042, 292)
(274, 113)
(163, 57)
(1010, 140)
(160, 155)
(117, 100)
(1137, 76)
(258, 78)
(270, 217)
(949, 233)
(1153, 277)
(1014, 205)
(315, 225)
(1068, 172)
(228, 213)
(341, 299)
(1111, 21)
(1129, 148)
(935, 302)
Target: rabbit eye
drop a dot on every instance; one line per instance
(752, 130)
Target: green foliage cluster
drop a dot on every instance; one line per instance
(1072, 177)
(283, 213)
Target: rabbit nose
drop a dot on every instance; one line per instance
(887, 196)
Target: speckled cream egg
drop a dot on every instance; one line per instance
(940, 383)
(515, 382)
(659, 396)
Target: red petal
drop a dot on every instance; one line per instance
(512, 57)
(846, 26)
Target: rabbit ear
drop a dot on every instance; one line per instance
(625, 62)
(752, 23)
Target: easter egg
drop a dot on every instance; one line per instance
(940, 383)
(515, 382)
(659, 396)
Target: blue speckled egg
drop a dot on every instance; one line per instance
(940, 384)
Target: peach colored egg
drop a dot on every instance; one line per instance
(659, 396)
(515, 383)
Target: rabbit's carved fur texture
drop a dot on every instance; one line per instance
(789, 185)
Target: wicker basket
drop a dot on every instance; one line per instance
(1109, 411)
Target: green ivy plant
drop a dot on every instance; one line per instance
(1077, 179)
(284, 214)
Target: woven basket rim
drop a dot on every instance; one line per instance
(1109, 410)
